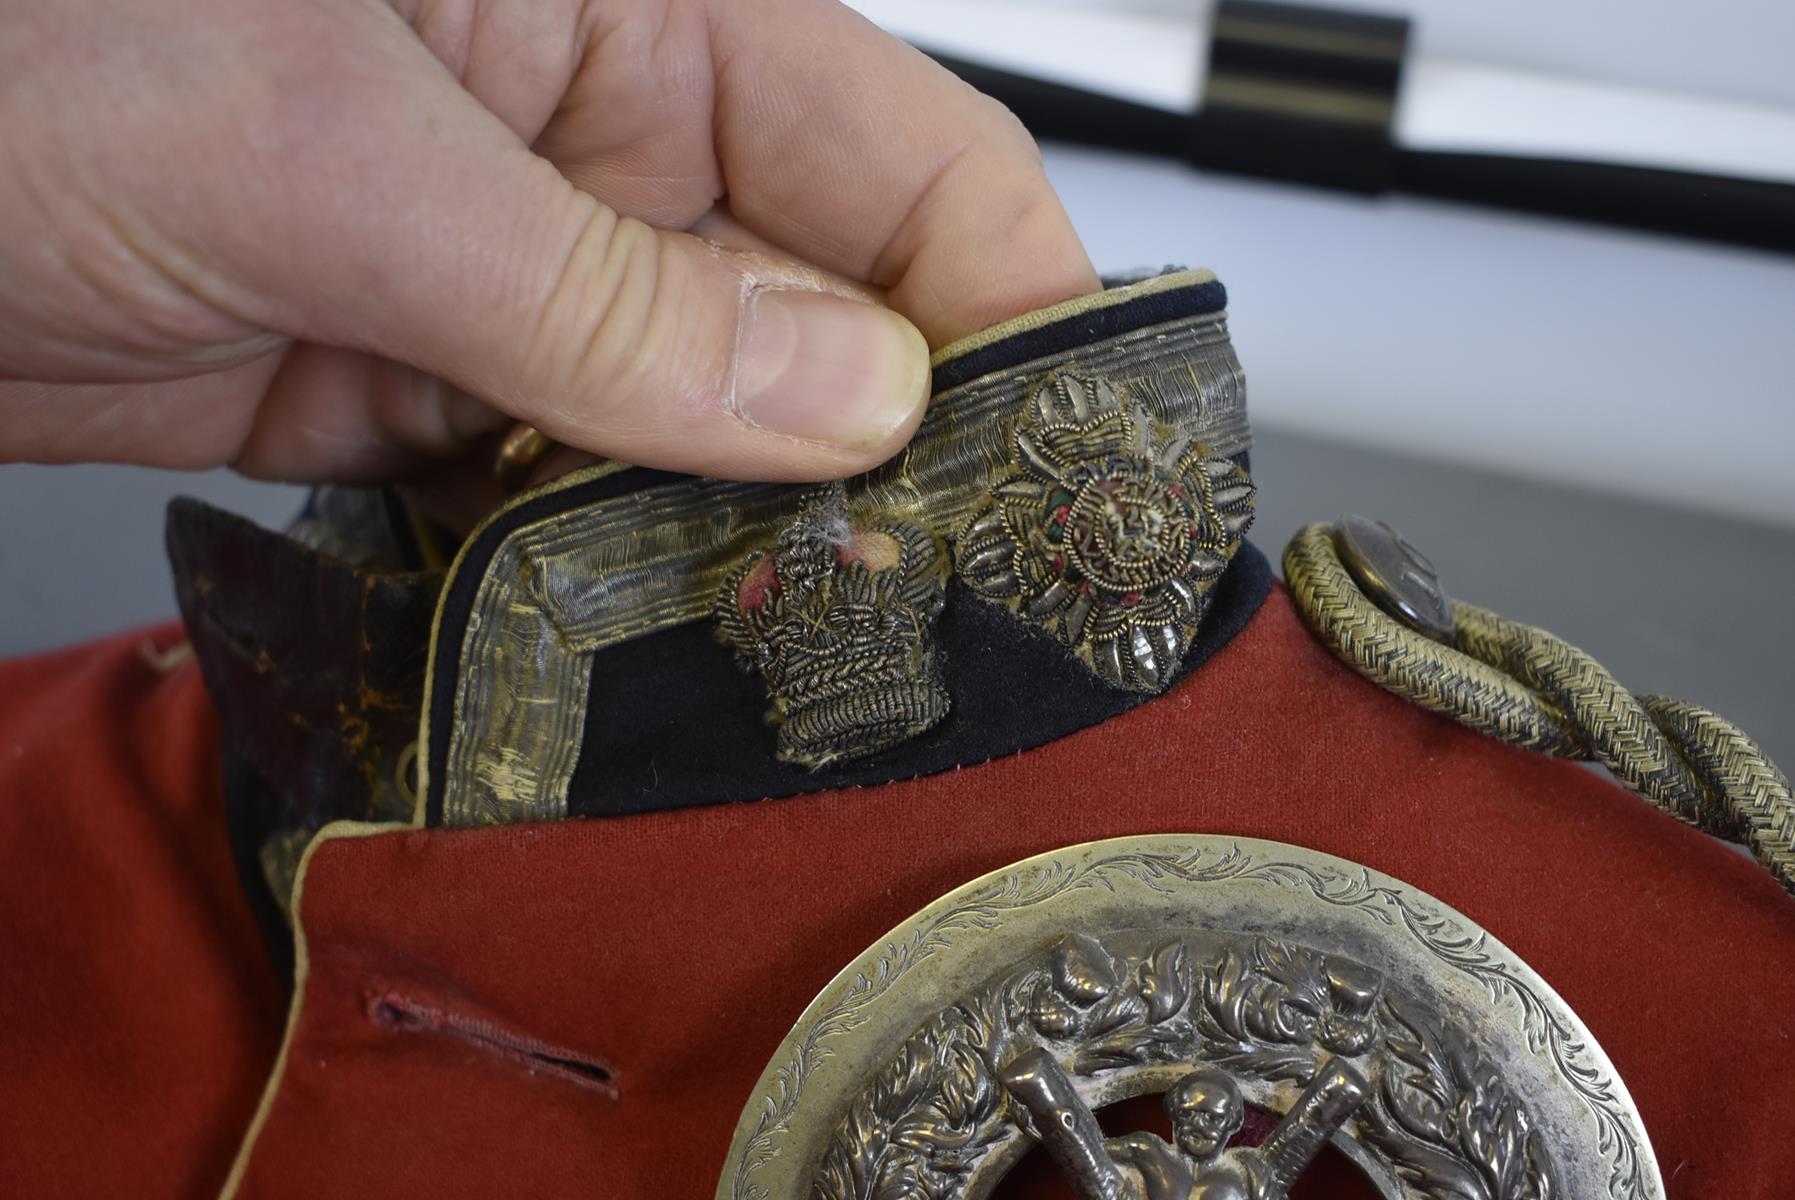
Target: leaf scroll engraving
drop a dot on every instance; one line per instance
(1445, 1118)
(1262, 1009)
(1016, 1011)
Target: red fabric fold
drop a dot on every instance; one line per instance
(138, 1013)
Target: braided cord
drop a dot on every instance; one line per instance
(1526, 687)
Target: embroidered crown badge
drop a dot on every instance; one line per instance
(837, 621)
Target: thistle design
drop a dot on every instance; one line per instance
(836, 619)
(1110, 531)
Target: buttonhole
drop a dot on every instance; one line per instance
(398, 1013)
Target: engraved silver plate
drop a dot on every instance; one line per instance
(1222, 972)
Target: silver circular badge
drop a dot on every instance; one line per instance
(1222, 973)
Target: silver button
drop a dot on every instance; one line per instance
(1397, 577)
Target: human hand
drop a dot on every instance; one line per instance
(345, 238)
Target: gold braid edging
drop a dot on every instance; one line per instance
(1523, 686)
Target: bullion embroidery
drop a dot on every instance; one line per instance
(1110, 531)
(551, 585)
(837, 620)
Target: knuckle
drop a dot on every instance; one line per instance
(600, 332)
(634, 336)
(614, 345)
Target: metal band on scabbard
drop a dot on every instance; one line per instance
(1526, 687)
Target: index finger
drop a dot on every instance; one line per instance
(832, 140)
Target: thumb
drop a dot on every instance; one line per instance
(664, 350)
(470, 258)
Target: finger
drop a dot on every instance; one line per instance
(308, 413)
(470, 258)
(355, 417)
(833, 141)
(186, 424)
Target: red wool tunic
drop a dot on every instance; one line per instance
(582, 1008)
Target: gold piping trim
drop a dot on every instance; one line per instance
(302, 963)
(1070, 308)
(424, 534)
